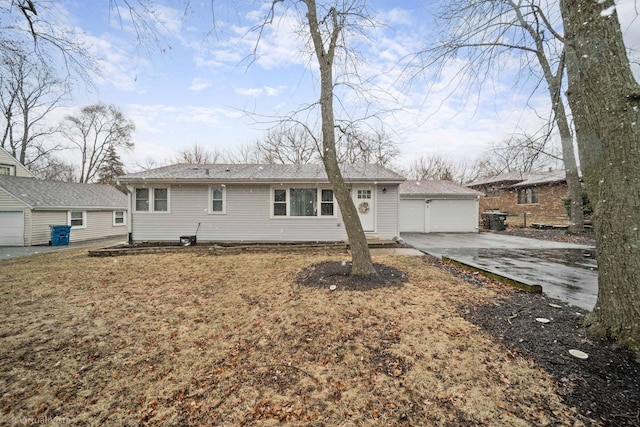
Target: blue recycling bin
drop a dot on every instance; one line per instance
(60, 234)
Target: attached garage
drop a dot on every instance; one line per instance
(438, 207)
(12, 228)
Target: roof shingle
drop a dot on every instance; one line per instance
(41, 194)
(444, 188)
(260, 173)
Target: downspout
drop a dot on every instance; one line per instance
(129, 214)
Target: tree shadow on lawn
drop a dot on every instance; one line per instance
(326, 274)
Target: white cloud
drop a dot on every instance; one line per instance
(255, 92)
(199, 84)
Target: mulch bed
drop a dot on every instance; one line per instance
(326, 274)
(605, 387)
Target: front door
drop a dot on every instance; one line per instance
(363, 198)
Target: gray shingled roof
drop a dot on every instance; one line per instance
(521, 179)
(542, 178)
(259, 173)
(441, 188)
(41, 194)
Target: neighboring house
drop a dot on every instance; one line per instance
(253, 203)
(10, 166)
(28, 206)
(535, 193)
(438, 207)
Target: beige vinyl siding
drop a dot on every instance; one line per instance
(99, 225)
(19, 169)
(387, 212)
(248, 218)
(40, 222)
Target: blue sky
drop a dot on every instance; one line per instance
(200, 88)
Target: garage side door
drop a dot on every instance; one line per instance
(412, 216)
(12, 228)
(453, 216)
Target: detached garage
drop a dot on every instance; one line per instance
(438, 207)
(28, 206)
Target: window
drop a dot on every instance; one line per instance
(217, 201)
(77, 219)
(160, 199)
(364, 194)
(527, 196)
(118, 218)
(303, 202)
(280, 202)
(6, 170)
(142, 199)
(326, 208)
(152, 200)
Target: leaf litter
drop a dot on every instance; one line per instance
(187, 339)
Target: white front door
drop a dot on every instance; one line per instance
(364, 199)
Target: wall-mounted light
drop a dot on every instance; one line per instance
(384, 191)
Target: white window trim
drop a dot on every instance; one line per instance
(84, 220)
(224, 200)
(288, 203)
(152, 201)
(124, 219)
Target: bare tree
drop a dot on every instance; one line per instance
(53, 168)
(287, 144)
(29, 93)
(360, 146)
(30, 26)
(434, 167)
(244, 154)
(489, 33)
(520, 153)
(198, 155)
(605, 100)
(327, 27)
(94, 131)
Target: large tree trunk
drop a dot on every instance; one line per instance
(605, 101)
(361, 258)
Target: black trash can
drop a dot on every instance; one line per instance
(60, 234)
(497, 221)
(188, 240)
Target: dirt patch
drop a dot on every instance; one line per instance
(605, 386)
(338, 274)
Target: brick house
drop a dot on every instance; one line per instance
(516, 193)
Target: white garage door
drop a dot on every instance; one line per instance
(412, 216)
(452, 216)
(11, 229)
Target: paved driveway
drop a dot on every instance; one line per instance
(8, 252)
(566, 271)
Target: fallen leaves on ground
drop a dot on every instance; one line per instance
(187, 339)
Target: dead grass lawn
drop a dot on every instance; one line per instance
(185, 339)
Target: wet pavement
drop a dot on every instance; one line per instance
(566, 271)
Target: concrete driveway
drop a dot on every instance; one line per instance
(566, 271)
(9, 252)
